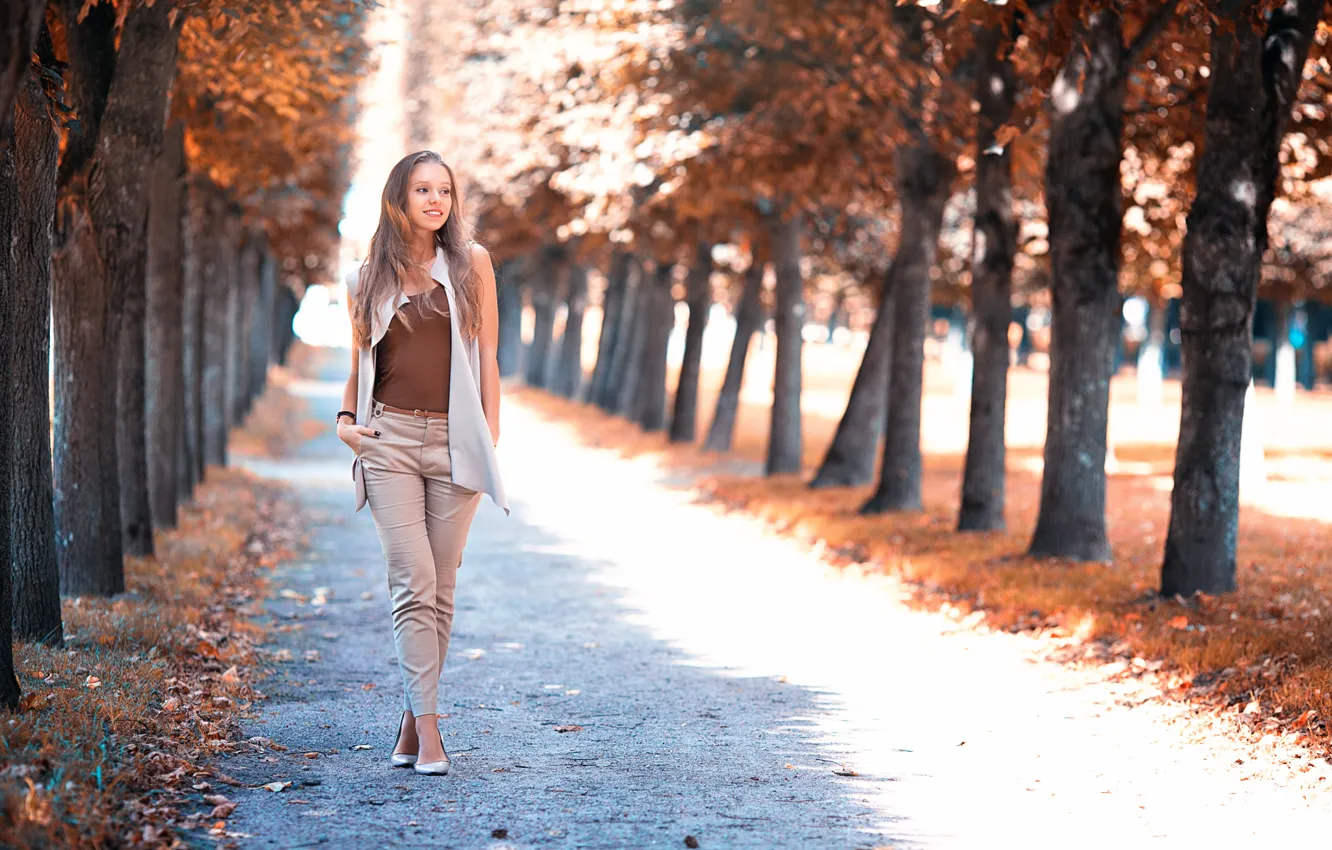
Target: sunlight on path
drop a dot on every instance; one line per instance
(989, 746)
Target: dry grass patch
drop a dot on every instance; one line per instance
(1263, 654)
(113, 728)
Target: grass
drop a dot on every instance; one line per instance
(1262, 654)
(117, 725)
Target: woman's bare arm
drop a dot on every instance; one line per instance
(488, 341)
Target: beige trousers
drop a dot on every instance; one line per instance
(422, 518)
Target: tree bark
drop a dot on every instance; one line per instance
(994, 243)
(619, 373)
(850, 459)
(684, 418)
(198, 273)
(612, 304)
(87, 508)
(660, 315)
(21, 21)
(1082, 191)
(1255, 77)
(569, 371)
(36, 575)
(89, 545)
(129, 137)
(543, 330)
(261, 326)
(216, 326)
(9, 227)
(784, 439)
(748, 317)
(164, 400)
(923, 183)
(510, 305)
(247, 293)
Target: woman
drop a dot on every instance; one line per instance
(421, 412)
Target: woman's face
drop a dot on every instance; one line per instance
(429, 196)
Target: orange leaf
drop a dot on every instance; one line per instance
(1179, 622)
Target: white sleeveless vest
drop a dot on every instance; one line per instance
(471, 453)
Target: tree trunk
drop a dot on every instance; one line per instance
(164, 365)
(994, 242)
(36, 149)
(21, 21)
(261, 327)
(748, 317)
(233, 269)
(198, 274)
(612, 304)
(850, 459)
(247, 292)
(626, 340)
(510, 305)
(569, 374)
(1082, 192)
(684, 419)
(543, 329)
(660, 313)
(216, 325)
(129, 137)
(287, 307)
(9, 229)
(784, 440)
(924, 180)
(87, 505)
(1254, 81)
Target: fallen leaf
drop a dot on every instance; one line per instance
(569, 728)
(361, 747)
(367, 595)
(1304, 719)
(691, 842)
(282, 654)
(216, 799)
(276, 786)
(368, 686)
(312, 755)
(845, 771)
(499, 833)
(223, 810)
(1179, 622)
(231, 676)
(92, 682)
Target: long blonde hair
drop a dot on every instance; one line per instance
(388, 260)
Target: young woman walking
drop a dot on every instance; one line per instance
(421, 412)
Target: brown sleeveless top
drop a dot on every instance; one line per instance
(412, 363)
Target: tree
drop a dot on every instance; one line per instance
(684, 418)
(785, 447)
(1254, 82)
(994, 242)
(748, 317)
(36, 146)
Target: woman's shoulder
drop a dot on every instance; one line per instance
(353, 279)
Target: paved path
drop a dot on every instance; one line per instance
(724, 681)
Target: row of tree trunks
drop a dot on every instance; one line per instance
(1254, 79)
(994, 243)
(924, 178)
(748, 318)
(36, 148)
(684, 418)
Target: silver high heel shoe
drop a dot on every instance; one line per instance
(434, 768)
(401, 759)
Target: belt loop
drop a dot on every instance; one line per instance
(377, 409)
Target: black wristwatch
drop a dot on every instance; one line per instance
(342, 413)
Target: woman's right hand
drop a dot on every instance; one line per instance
(353, 434)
